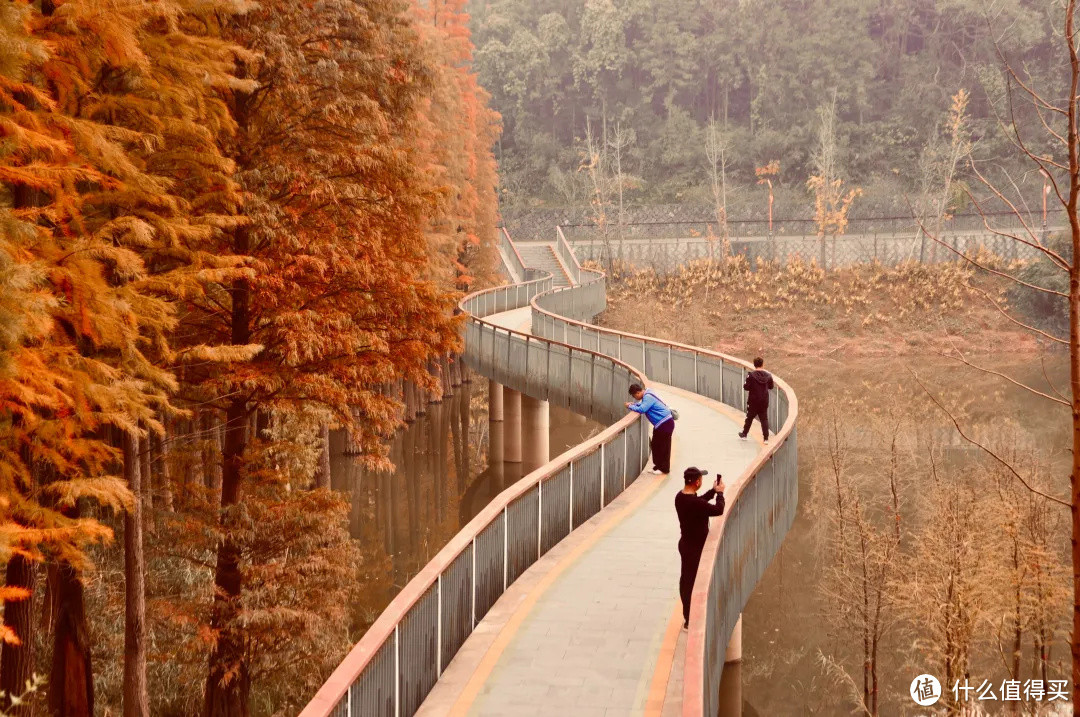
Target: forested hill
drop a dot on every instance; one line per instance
(660, 69)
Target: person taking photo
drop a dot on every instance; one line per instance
(694, 512)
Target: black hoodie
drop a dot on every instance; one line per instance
(758, 382)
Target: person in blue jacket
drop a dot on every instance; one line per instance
(659, 415)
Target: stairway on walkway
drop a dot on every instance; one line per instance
(542, 256)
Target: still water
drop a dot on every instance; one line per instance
(788, 624)
(442, 478)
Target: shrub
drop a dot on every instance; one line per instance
(1046, 311)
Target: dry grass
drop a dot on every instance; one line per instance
(800, 310)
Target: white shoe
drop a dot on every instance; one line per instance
(656, 472)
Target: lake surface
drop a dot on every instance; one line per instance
(786, 629)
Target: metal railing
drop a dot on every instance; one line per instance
(397, 662)
(566, 253)
(511, 256)
(761, 503)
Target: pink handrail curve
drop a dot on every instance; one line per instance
(339, 682)
(694, 666)
(521, 262)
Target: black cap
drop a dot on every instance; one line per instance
(691, 474)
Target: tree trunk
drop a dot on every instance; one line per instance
(194, 469)
(210, 459)
(71, 684)
(1074, 342)
(146, 482)
(322, 472)
(228, 683)
(49, 604)
(136, 699)
(162, 448)
(17, 661)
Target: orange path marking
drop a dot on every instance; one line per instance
(491, 658)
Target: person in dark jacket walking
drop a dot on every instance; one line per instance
(758, 383)
(694, 512)
(663, 422)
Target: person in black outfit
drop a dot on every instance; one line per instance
(694, 511)
(758, 382)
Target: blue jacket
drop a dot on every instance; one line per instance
(653, 408)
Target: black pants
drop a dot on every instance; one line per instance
(690, 552)
(661, 445)
(762, 414)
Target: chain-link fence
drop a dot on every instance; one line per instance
(689, 222)
(830, 253)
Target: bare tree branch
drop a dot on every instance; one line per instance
(1035, 97)
(992, 454)
(959, 356)
(1016, 321)
(983, 267)
(1053, 255)
(1042, 362)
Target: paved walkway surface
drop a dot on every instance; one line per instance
(594, 626)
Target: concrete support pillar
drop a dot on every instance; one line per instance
(511, 425)
(495, 401)
(535, 425)
(731, 679)
(496, 449)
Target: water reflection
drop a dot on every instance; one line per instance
(448, 466)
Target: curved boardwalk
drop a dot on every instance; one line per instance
(560, 596)
(594, 626)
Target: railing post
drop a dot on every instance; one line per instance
(592, 381)
(625, 457)
(571, 495)
(601, 476)
(506, 545)
(539, 518)
(644, 442)
(547, 371)
(438, 627)
(473, 583)
(669, 365)
(397, 670)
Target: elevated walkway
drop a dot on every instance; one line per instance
(594, 627)
(561, 595)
